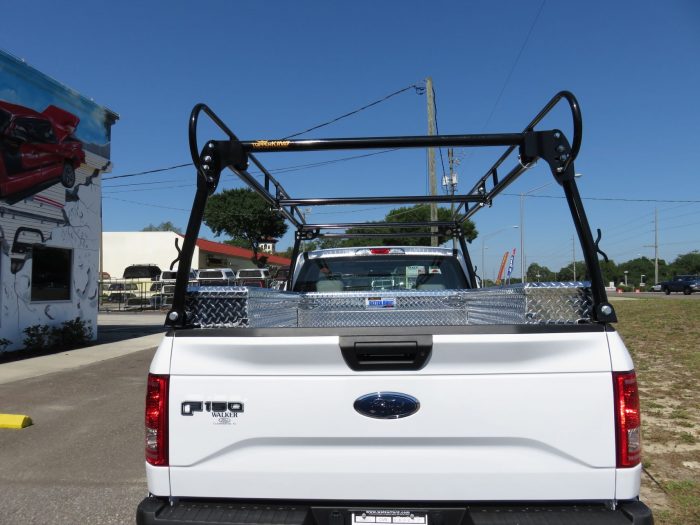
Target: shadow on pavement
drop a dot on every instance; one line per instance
(111, 328)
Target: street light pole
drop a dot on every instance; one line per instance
(523, 277)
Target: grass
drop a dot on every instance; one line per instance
(663, 336)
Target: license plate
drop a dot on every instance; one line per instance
(389, 517)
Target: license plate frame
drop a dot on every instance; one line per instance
(388, 517)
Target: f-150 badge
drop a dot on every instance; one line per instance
(221, 412)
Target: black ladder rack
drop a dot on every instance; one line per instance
(552, 146)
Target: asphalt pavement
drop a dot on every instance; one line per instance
(82, 459)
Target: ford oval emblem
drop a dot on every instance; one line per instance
(387, 405)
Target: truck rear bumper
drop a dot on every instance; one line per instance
(155, 511)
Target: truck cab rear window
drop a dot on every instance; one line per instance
(380, 272)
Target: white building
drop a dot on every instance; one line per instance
(54, 147)
(123, 249)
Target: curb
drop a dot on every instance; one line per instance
(14, 421)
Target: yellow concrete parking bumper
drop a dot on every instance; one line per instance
(14, 421)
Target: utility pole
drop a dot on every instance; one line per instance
(450, 184)
(656, 245)
(431, 156)
(573, 253)
(523, 277)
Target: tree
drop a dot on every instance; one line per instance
(635, 268)
(238, 243)
(610, 272)
(244, 216)
(535, 272)
(686, 264)
(418, 213)
(162, 227)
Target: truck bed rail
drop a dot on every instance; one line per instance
(530, 303)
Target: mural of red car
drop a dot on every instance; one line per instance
(37, 149)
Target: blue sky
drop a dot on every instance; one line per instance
(274, 68)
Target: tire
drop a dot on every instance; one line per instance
(687, 290)
(68, 175)
(667, 291)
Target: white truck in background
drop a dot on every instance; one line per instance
(384, 386)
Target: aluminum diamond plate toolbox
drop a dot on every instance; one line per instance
(558, 303)
(239, 307)
(395, 308)
(530, 303)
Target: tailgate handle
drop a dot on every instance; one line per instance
(386, 352)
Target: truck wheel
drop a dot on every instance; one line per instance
(667, 291)
(68, 175)
(687, 290)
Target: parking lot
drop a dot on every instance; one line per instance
(82, 459)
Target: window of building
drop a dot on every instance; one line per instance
(51, 273)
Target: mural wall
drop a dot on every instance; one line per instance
(54, 146)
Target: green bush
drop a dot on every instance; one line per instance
(37, 337)
(71, 334)
(4, 343)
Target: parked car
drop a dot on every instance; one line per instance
(682, 283)
(142, 271)
(171, 275)
(164, 297)
(121, 287)
(37, 149)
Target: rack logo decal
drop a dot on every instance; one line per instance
(380, 302)
(221, 412)
(271, 144)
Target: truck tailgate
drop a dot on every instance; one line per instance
(503, 416)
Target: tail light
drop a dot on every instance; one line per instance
(380, 251)
(628, 423)
(157, 420)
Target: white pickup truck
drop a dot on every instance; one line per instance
(386, 387)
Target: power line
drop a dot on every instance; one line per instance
(286, 169)
(190, 185)
(299, 167)
(148, 204)
(151, 183)
(147, 172)
(613, 199)
(515, 63)
(510, 73)
(419, 91)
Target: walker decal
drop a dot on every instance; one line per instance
(220, 412)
